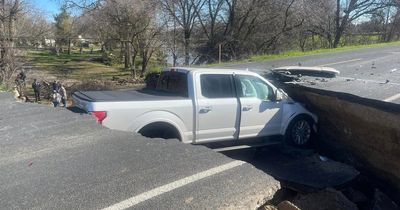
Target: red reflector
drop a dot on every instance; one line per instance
(100, 116)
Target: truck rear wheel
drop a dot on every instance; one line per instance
(160, 130)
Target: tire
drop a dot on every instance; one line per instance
(160, 130)
(300, 131)
(169, 134)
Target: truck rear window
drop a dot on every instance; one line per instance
(173, 82)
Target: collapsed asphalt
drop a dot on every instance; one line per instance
(52, 158)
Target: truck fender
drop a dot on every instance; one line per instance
(296, 110)
(163, 117)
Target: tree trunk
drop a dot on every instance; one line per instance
(313, 42)
(187, 47)
(338, 32)
(133, 68)
(145, 61)
(2, 38)
(11, 32)
(174, 53)
(128, 57)
(338, 36)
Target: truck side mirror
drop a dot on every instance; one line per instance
(278, 95)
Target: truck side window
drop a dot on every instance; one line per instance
(217, 86)
(250, 86)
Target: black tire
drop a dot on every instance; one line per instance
(160, 130)
(169, 134)
(300, 132)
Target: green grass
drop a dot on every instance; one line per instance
(2, 88)
(75, 66)
(297, 53)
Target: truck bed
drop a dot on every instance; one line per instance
(126, 95)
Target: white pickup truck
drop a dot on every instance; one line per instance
(201, 106)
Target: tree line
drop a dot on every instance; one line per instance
(186, 32)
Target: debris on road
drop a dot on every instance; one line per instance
(373, 65)
(300, 71)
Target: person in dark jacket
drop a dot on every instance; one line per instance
(36, 89)
(56, 86)
(22, 77)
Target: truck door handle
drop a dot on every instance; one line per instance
(247, 108)
(205, 110)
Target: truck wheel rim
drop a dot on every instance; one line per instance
(301, 132)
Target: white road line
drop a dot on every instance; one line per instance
(392, 98)
(348, 61)
(130, 202)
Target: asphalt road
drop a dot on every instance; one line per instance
(52, 158)
(55, 159)
(372, 73)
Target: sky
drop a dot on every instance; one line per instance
(50, 7)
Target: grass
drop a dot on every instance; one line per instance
(297, 53)
(2, 88)
(75, 66)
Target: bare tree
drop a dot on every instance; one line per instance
(242, 28)
(9, 13)
(350, 10)
(319, 20)
(148, 43)
(185, 13)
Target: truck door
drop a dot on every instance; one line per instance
(217, 108)
(260, 115)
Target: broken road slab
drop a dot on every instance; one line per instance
(303, 170)
(51, 158)
(318, 71)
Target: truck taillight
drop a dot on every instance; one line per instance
(100, 116)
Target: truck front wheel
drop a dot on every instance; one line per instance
(300, 131)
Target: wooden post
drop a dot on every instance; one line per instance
(220, 53)
(69, 46)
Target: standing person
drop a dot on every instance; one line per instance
(56, 98)
(56, 86)
(36, 89)
(63, 93)
(22, 77)
(20, 83)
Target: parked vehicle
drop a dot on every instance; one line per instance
(203, 105)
